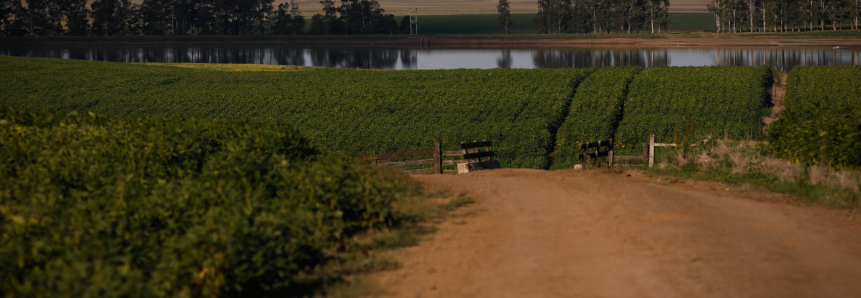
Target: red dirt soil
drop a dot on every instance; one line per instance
(608, 234)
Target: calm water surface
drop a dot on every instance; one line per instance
(451, 58)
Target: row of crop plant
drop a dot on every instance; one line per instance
(529, 114)
(337, 109)
(819, 126)
(628, 104)
(822, 121)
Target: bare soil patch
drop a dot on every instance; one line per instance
(598, 233)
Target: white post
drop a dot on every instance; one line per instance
(651, 150)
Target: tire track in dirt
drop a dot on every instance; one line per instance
(602, 234)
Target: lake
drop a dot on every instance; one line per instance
(390, 58)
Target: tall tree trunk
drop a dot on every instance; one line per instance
(752, 8)
(717, 22)
(734, 22)
(821, 14)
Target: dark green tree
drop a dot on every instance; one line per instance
(504, 19)
(110, 17)
(9, 24)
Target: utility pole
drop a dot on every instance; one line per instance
(414, 16)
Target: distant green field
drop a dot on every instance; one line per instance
(692, 21)
(472, 24)
(486, 23)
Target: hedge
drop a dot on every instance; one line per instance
(135, 207)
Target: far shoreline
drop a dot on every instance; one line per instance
(844, 38)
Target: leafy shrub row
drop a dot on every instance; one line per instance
(721, 101)
(135, 207)
(812, 91)
(820, 124)
(595, 112)
(337, 109)
(830, 139)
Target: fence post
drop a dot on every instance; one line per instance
(645, 153)
(374, 161)
(610, 155)
(437, 157)
(585, 155)
(651, 150)
(477, 150)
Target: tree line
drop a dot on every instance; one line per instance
(783, 15)
(601, 16)
(190, 17)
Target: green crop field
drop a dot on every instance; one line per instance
(337, 109)
(595, 113)
(95, 206)
(692, 21)
(720, 101)
(821, 122)
(472, 24)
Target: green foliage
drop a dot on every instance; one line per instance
(821, 122)
(337, 109)
(142, 207)
(595, 113)
(725, 102)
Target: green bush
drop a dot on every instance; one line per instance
(820, 123)
(337, 109)
(721, 101)
(595, 113)
(830, 139)
(137, 207)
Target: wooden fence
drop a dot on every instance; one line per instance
(470, 151)
(609, 153)
(384, 160)
(649, 151)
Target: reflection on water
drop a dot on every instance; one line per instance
(410, 58)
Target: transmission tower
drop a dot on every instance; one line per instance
(414, 16)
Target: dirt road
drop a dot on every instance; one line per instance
(606, 234)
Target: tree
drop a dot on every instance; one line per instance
(836, 11)
(823, 10)
(9, 24)
(326, 23)
(552, 14)
(297, 23)
(631, 15)
(751, 8)
(77, 17)
(856, 10)
(504, 19)
(541, 22)
(716, 8)
(282, 20)
(110, 17)
(288, 20)
(405, 25)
